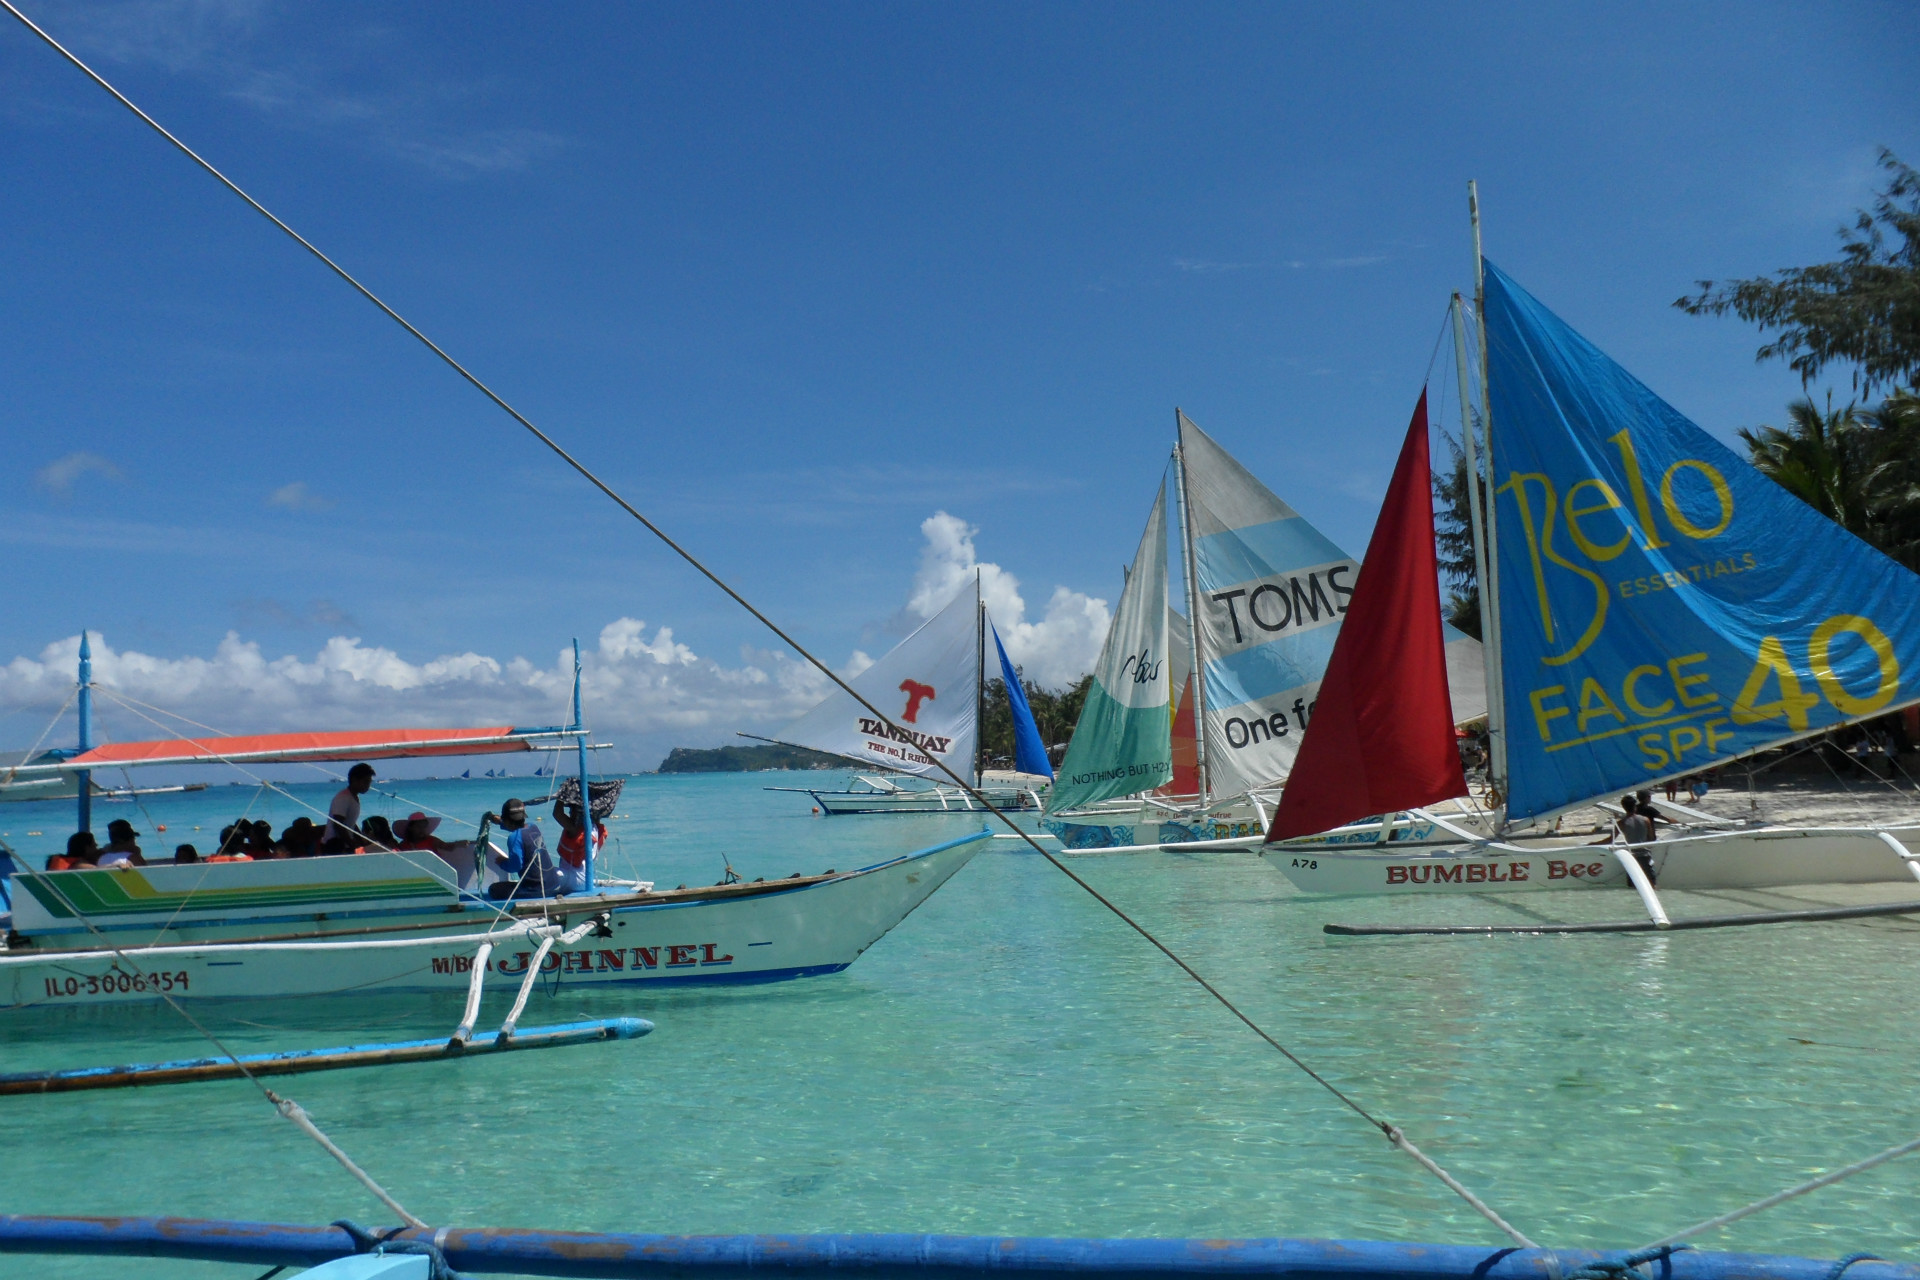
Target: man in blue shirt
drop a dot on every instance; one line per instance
(526, 867)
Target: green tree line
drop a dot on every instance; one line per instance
(1055, 711)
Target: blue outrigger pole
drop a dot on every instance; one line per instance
(85, 776)
(586, 796)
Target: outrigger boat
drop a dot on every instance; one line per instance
(414, 920)
(937, 677)
(1657, 608)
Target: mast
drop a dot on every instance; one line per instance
(1490, 582)
(586, 793)
(85, 776)
(1476, 517)
(980, 682)
(1197, 664)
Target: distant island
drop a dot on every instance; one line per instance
(746, 759)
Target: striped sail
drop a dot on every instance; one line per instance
(1272, 589)
(1124, 743)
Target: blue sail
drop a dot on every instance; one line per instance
(1029, 752)
(1663, 606)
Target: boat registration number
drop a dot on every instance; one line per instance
(116, 983)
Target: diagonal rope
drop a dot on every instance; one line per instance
(1781, 1197)
(1387, 1129)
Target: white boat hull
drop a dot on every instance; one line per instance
(816, 928)
(1760, 858)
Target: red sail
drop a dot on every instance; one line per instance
(1381, 735)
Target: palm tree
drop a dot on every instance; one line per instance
(1827, 460)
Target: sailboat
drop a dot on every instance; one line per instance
(1266, 592)
(384, 921)
(1656, 608)
(935, 679)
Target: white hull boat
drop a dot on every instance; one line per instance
(1754, 858)
(884, 795)
(384, 923)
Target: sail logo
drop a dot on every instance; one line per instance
(1251, 732)
(1693, 496)
(917, 693)
(1141, 667)
(1291, 602)
(925, 741)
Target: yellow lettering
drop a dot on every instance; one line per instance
(1543, 715)
(1683, 733)
(1607, 502)
(1594, 703)
(1657, 757)
(1683, 683)
(1714, 739)
(1540, 543)
(1649, 535)
(1629, 690)
(1820, 658)
(1721, 494)
(1793, 703)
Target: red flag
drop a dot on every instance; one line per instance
(1381, 735)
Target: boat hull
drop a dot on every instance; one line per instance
(816, 928)
(1756, 859)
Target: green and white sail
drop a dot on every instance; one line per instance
(1123, 744)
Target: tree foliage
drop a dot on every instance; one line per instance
(1055, 712)
(1863, 310)
(1453, 538)
(1859, 468)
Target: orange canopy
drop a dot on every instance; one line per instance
(356, 744)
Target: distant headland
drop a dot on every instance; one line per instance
(746, 759)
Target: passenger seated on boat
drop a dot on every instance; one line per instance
(376, 836)
(343, 814)
(526, 867)
(122, 848)
(82, 851)
(301, 839)
(571, 850)
(186, 853)
(260, 840)
(416, 832)
(233, 844)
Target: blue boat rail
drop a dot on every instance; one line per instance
(618, 1255)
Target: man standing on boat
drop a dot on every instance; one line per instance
(343, 815)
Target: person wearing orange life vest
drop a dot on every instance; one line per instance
(572, 849)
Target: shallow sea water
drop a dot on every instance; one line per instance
(1014, 1060)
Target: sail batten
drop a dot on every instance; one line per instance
(1663, 606)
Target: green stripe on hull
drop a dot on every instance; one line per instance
(116, 893)
(1129, 750)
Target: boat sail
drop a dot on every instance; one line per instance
(1660, 608)
(932, 683)
(1123, 744)
(1266, 593)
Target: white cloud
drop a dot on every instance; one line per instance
(634, 684)
(296, 497)
(1055, 651)
(58, 476)
(642, 686)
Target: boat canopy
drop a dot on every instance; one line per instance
(261, 748)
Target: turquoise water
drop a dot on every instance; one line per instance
(1013, 1060)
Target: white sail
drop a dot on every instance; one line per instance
(1271, 592)
(928, 685)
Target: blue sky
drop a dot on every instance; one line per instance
(796, 278)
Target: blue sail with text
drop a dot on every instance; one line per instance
(1663, 606)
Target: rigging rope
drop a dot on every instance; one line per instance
(1389, 1131)
(1781, 1197)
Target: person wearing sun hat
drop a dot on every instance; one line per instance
(416, 832)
